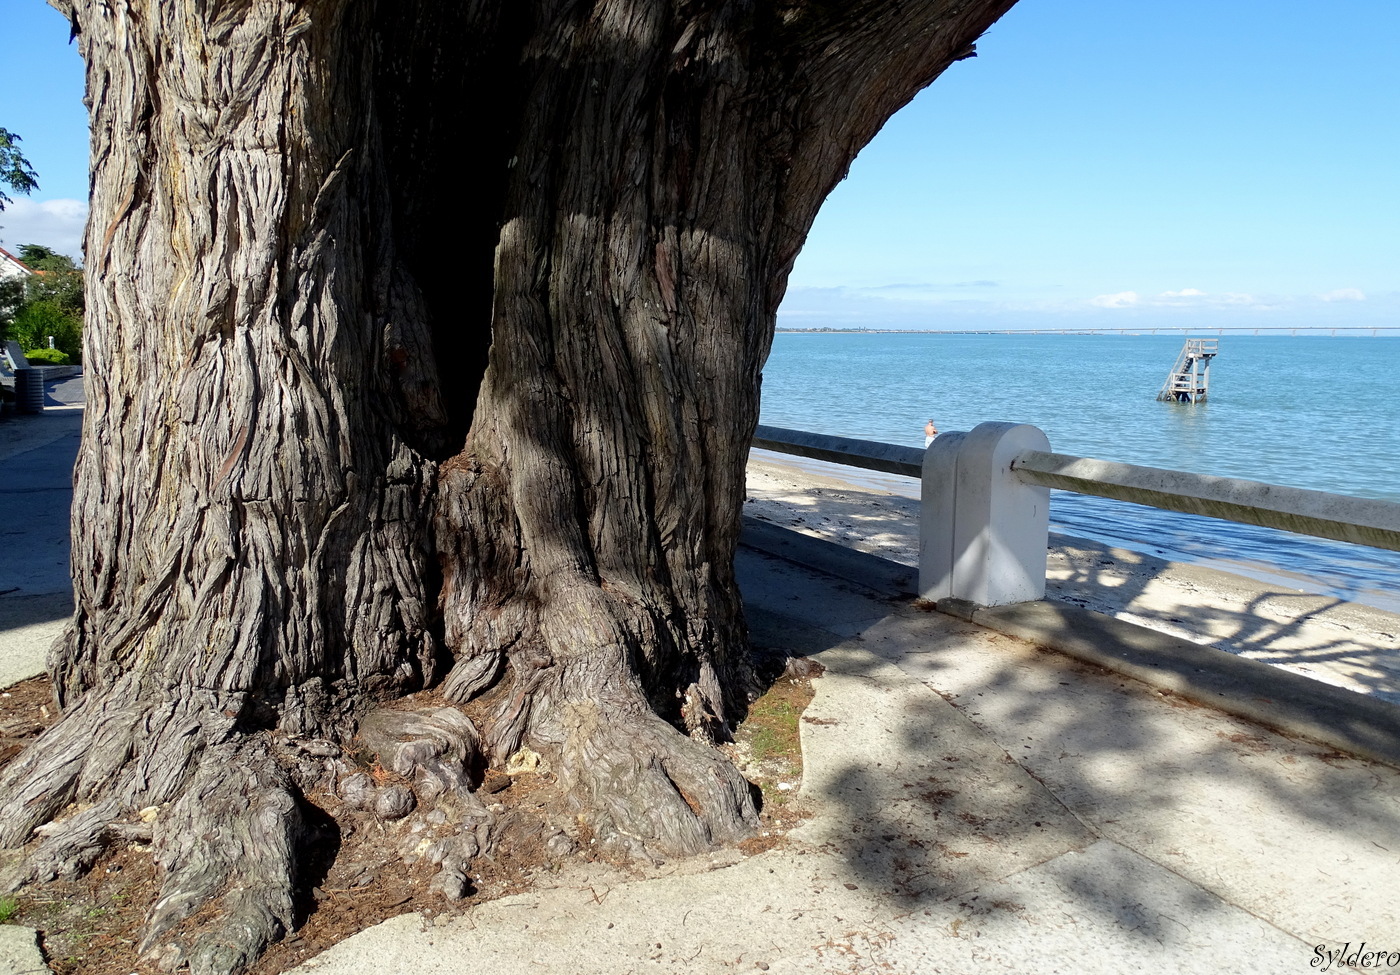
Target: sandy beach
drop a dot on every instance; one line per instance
(1322, 637)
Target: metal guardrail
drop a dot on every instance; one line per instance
(975, 544)
(871, 455)
(1362, 521)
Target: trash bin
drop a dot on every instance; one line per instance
(29, 390)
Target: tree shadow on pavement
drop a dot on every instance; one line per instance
(964, 766)
(1322, 637)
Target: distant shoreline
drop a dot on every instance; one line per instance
(1327, 331)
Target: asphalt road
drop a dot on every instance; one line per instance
(36, 491)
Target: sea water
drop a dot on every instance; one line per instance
(1317, 412)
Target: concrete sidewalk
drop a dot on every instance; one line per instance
(979, 805)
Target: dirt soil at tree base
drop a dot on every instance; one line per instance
(92, 924)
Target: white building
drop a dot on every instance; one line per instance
(12, 267)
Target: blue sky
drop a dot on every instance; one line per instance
(1101, 163)
(41, 99)
(1130, 162)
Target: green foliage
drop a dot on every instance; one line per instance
(65, 288)
(15, 171)
(9, 909)
(47, 357)
(775, 732)
(35, 321)
(41, 258)
(11, 297)
(48, 302)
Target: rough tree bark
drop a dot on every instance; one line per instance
(424, 347)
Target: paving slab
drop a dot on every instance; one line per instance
(1355, 722)
(35, 495)
(1292, 831)
(28, 627)
(837, 605)
(1102, 910)
(916, 799)
(19, 951)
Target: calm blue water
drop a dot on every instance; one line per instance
(1309, 412)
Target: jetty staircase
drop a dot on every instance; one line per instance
(1189, 380)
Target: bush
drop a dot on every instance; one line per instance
(47, 357)
(35, 321)
(49, 302)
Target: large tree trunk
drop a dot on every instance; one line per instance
(425, 339)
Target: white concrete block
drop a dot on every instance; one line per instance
(1000, 524)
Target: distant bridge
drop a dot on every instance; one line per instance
(1164, 330)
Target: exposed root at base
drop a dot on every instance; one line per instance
(649, 791)
(233, 838)
(501, 833)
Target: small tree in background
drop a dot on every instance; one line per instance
(11, 297)
(15, 171)
(38, 321)
(47, 304)
(18, 175)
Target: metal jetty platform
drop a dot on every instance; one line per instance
(1189, 380)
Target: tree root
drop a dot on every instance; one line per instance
(233, 828)
(649, 791)
(235, 832)
(438, 750)
(230, 843)
(70, 848)
(48, 775)
(645, 789)
(118, 745)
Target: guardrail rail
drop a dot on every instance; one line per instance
(984, 512)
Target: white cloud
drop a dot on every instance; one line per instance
(1344, 294)
(1123, 299)
(53, 223)
(1185, 299)
(1015, 306)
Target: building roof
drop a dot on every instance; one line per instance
(12, 267)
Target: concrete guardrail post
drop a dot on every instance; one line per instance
(983, 531)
